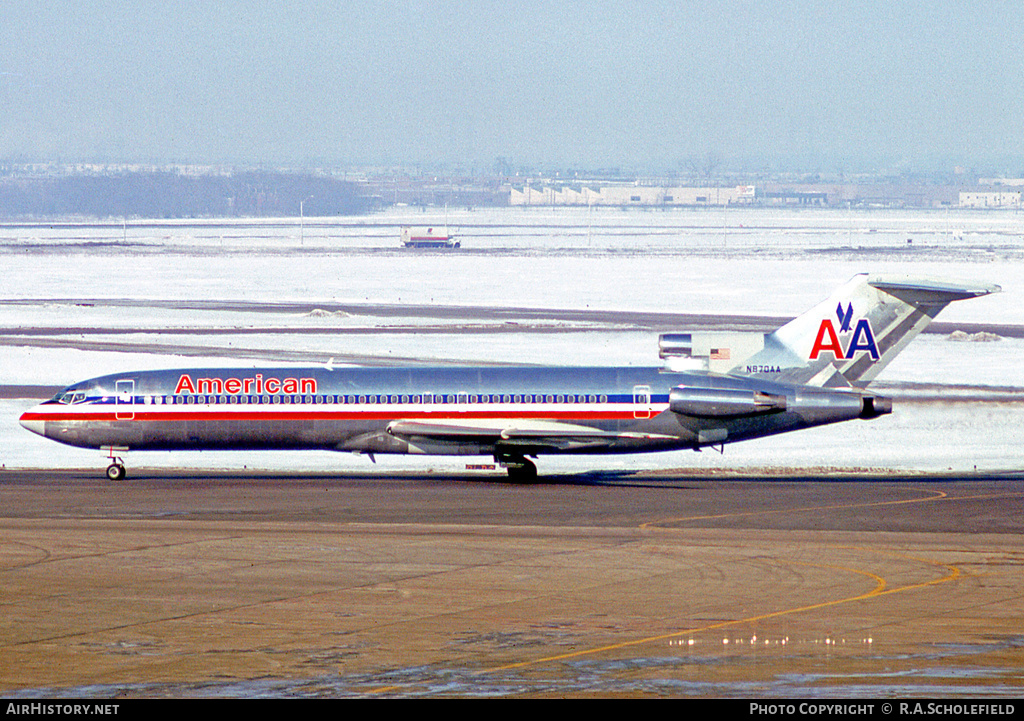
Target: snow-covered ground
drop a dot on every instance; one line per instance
(755, 262)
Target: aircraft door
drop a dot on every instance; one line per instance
(641, 401)
(125, 400)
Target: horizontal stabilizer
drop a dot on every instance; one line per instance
(925, 291)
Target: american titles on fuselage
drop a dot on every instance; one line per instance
(235, 386)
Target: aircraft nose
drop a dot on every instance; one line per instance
(30, 422)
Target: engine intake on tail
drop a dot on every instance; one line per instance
(715, 351)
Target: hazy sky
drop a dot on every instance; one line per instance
(647, 85)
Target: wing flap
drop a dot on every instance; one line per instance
(514, 432)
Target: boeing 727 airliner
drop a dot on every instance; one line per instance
(715, 388)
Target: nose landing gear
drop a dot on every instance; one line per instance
(116, 470)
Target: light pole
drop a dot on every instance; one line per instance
(302, 220)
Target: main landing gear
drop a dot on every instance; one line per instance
(520, 469)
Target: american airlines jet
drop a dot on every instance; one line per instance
(714, 388)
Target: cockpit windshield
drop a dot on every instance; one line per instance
(70, 397)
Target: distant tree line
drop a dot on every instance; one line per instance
(173, 195)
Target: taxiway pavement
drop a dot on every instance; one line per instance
(179, 584)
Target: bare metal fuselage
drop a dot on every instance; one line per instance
(445, 411)
(810, 371)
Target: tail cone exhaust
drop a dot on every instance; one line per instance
(875, 406)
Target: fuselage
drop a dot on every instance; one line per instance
(453, 410)
(810, 371)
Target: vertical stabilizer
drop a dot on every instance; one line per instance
(848, 339)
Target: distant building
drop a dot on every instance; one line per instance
(631, 195)
(795, 197)
(769, 194)
(990, 199)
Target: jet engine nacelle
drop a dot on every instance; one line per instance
(718, 402)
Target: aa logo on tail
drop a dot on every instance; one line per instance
(862, 338)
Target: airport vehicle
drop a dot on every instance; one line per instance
(428, 238)
(714, 388)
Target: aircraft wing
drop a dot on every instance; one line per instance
(515, 432)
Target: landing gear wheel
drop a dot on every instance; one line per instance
(520, 469)
(115, 472)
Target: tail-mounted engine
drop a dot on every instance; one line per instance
(721, 402)
(813, 405)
